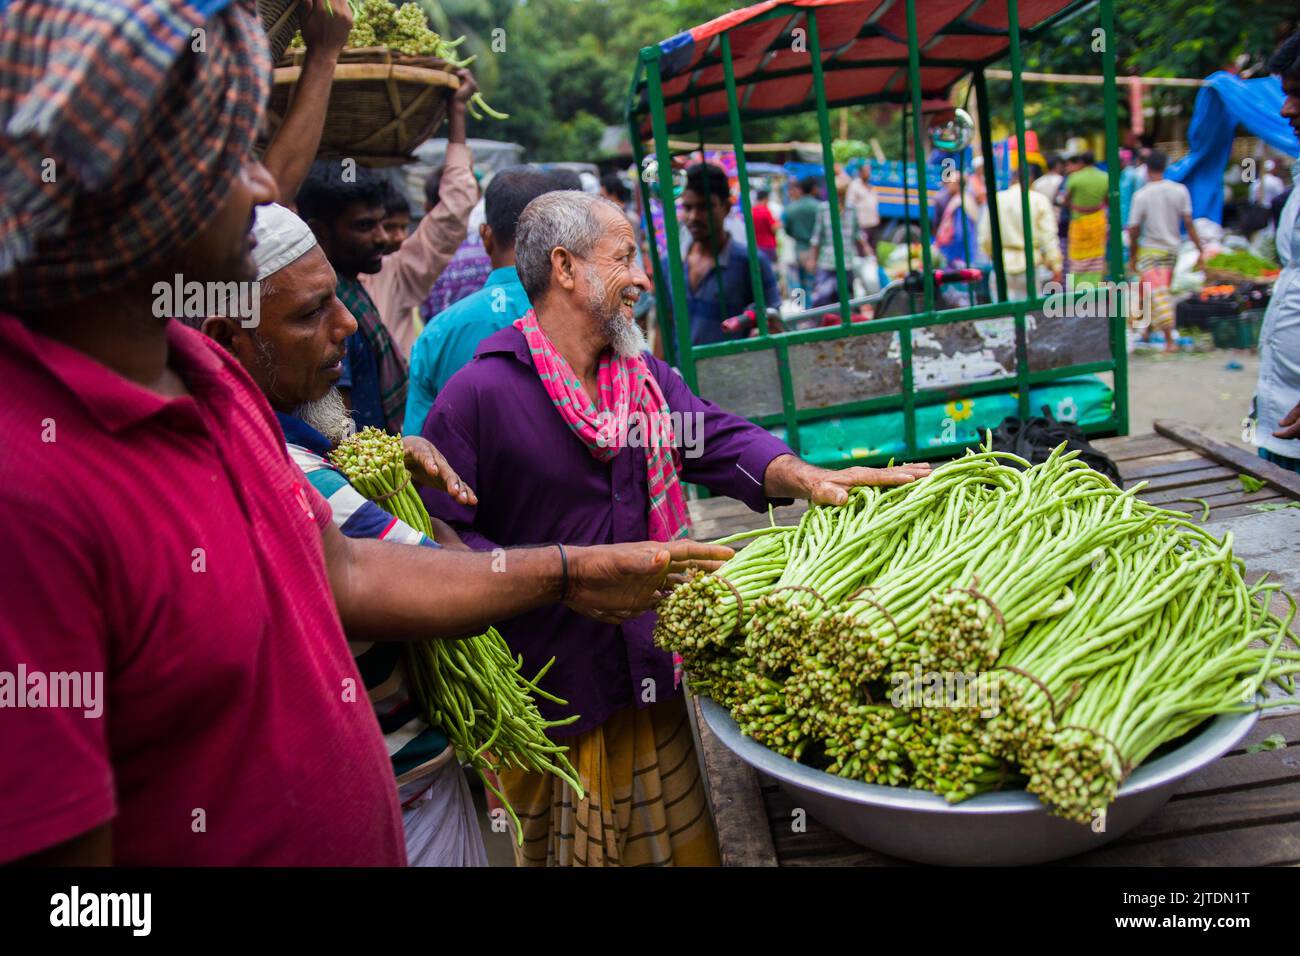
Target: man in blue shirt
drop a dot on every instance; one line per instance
(718, 284)
(448, 341)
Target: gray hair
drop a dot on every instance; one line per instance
(562, 219)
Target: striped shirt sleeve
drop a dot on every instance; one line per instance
(356, 516)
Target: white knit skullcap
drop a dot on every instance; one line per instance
(282, 238)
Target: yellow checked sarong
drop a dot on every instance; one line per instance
(1088, 245)
(645, 803)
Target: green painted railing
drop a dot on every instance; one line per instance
(646, 98)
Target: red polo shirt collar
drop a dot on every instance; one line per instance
(115, 402)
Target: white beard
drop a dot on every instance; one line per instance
(329, 415)
(624, 335)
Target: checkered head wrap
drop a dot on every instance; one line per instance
(123, 124)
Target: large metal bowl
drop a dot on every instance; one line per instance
(992, 829)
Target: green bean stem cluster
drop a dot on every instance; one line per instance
(472, 690)
(1102, 627)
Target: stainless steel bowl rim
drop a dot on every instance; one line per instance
(1222, 734)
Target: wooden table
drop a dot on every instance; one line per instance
(1243, 809)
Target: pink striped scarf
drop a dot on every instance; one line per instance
(627, 389)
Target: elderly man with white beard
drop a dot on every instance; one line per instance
(564, 424)
(294, 354)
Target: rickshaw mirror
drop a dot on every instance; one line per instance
(955, 134)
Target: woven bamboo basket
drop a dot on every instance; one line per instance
(382, 104)
(280, 21)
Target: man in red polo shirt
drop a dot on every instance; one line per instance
(175, 686)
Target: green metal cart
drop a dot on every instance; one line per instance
(779, 58)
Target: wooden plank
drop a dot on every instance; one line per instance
(1284, 481)
(721, 509)
(1288, 725)
(1276, 844)
(1230, 512)
(1241, 810)
(1136, 446)
(1212, 491)
(717, 508)
(1183, 479)
(1245, 771)
(1217, 810)
(849, 858)
(1238, 768)
(819, 845)
(818, 841)
(739, 817)
(1220, 508)
(718, 517)
(1172, 463)
(708, 530)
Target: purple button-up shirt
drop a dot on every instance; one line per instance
(537, 483)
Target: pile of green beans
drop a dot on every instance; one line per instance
(473, 690)
(1102, 628)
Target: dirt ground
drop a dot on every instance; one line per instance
(1201, 388)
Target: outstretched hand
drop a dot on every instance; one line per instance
(614, 582)
(832, 487)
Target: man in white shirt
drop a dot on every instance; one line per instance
(1049, 184)
(862, 199)
(1160, 210)
(1011, 223)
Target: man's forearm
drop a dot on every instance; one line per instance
(409, 273)
(456, 123)
(291, 152)
(387, 593)
(446, 535)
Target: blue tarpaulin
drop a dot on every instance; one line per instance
(1224, 103)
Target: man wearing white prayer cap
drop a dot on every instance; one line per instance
(294, 353)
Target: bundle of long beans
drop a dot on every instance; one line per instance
(1101, 626)
(700, 617)
(709, 608)
(405, 29)
(473, 689)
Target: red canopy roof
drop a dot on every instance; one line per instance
(863, 47)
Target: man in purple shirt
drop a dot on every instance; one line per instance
(502, 430)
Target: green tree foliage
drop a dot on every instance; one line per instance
(1153, 38)
(564, 71)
